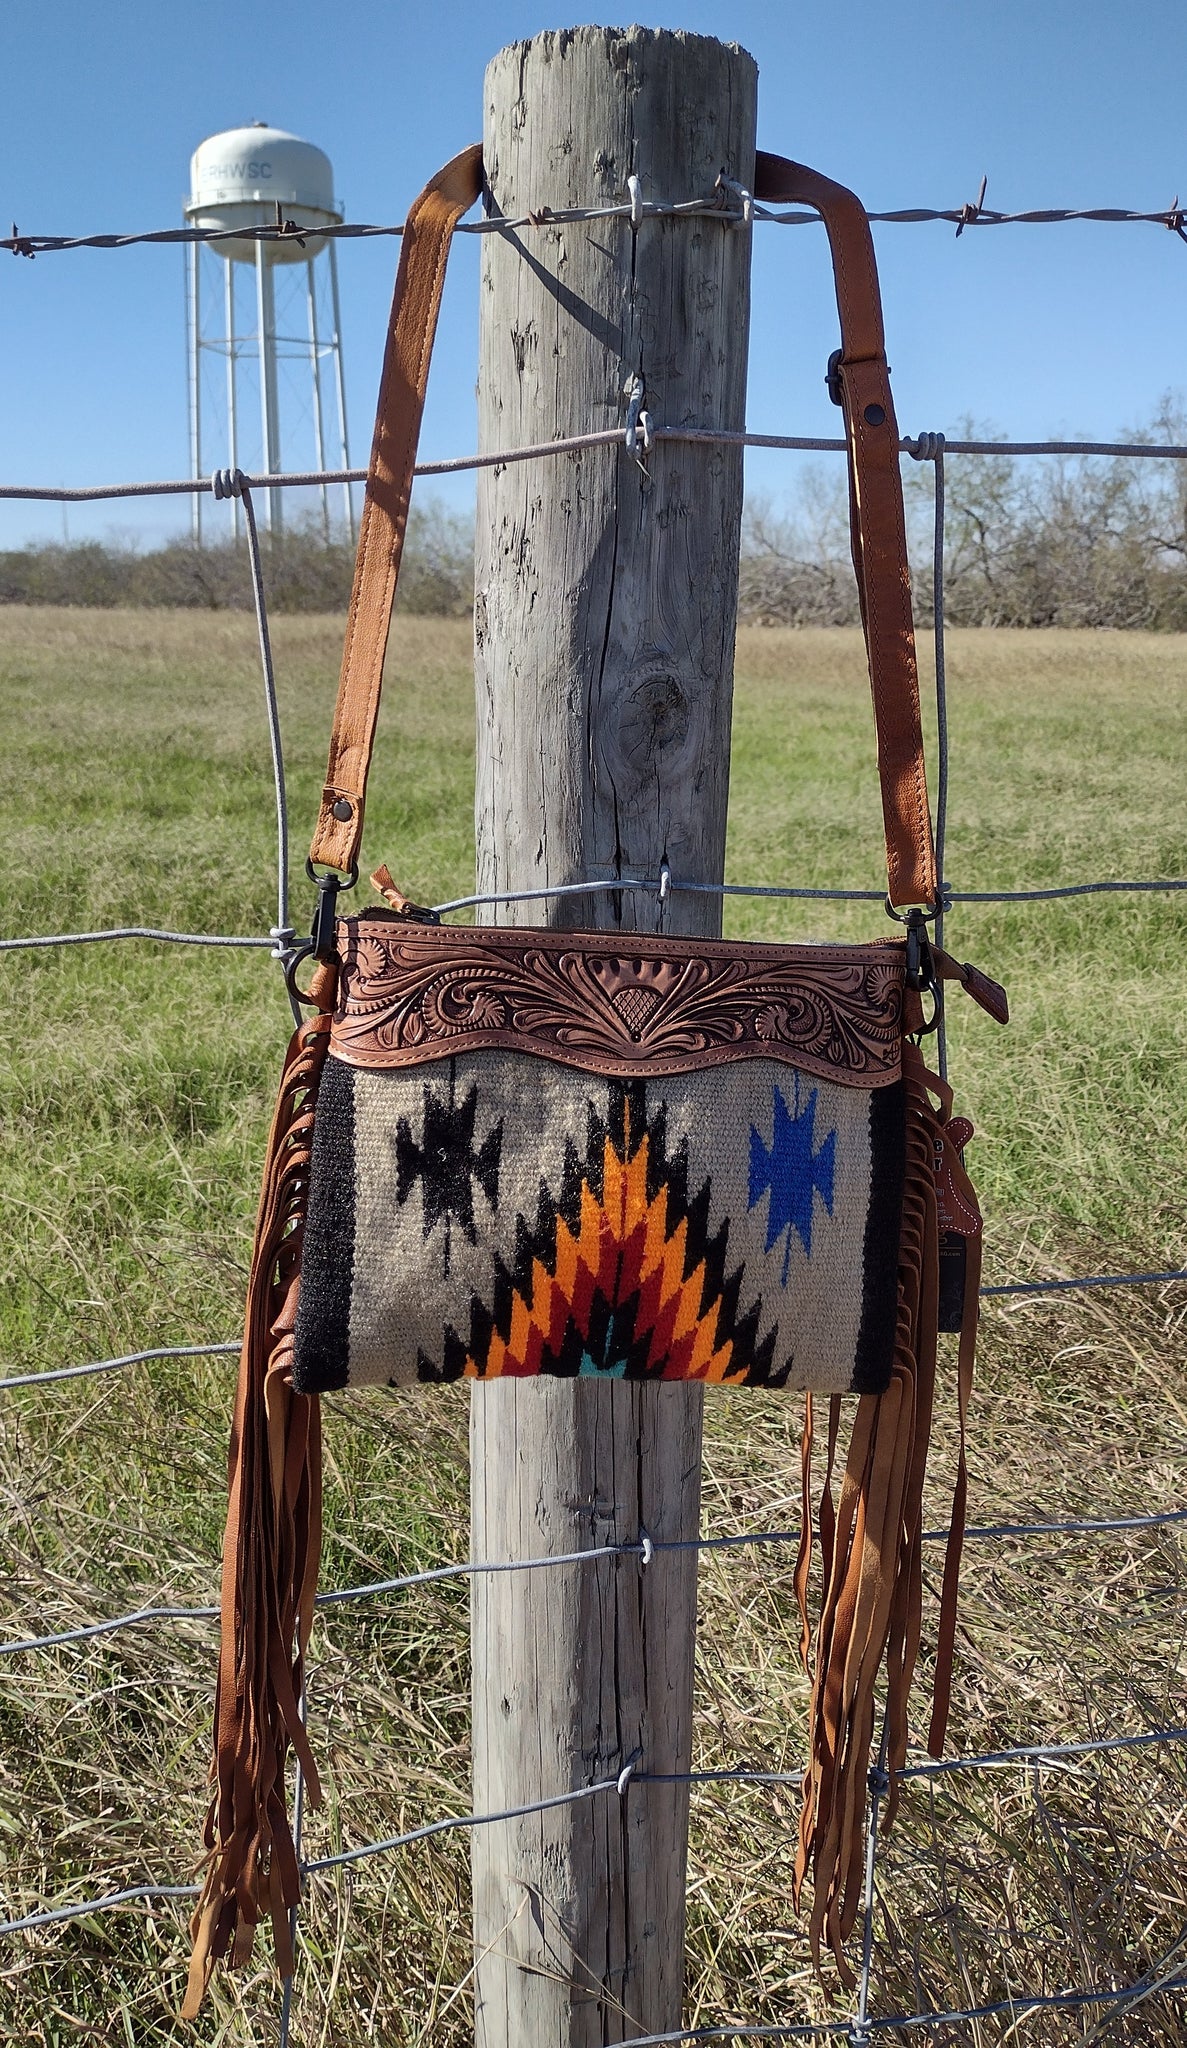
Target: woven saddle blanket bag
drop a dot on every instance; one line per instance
(612, 1155)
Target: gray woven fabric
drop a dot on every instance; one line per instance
(499, 1214)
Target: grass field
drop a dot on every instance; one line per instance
(135, 1086)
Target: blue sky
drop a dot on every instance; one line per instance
(1033, 330)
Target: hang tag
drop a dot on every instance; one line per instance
(959, 1219)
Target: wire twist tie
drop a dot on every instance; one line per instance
(1176, 220)
(665, 877)
(282, 936)
(878, 1782)
(971, 210)
(635, 193)
(736, 191)
(926, 447)
(859, 2035)
(626, 1773)
(646, 1548)
(227, 483)
(21, 247)
(636, 419)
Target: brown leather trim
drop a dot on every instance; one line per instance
(877, 524)
(623, 1006)
(419, 283)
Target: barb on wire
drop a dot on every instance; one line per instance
(970, 212)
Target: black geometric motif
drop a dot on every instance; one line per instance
(447, 1165)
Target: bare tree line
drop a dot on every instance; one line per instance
(305, 571)
(1030, 541)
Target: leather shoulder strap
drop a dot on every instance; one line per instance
(876, 505)
(419, 281)
(877, 525)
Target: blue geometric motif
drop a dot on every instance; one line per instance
(792, 1171)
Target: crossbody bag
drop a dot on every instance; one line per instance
(523, 1152)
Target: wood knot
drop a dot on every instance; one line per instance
(655, 720)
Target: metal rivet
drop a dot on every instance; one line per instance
(874, 415)
(344, 810)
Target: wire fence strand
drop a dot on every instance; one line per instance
(716, 205)
(572, 444)
(643, 1549)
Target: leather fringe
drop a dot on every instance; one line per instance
(270, 1562)
(871, 1548)
(870, 1541)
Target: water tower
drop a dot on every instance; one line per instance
(239, 179)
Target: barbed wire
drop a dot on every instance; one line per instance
(632, 211)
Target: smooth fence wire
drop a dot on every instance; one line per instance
(573, 444)
(860, 2027)
(463, 1568)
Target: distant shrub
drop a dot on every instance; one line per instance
(304, 572)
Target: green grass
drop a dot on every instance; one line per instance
(135, 1085)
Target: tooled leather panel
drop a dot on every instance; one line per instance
(616, 1006)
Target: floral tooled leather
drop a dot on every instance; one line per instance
(589, 1000)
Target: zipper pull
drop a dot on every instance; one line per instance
(415, 913)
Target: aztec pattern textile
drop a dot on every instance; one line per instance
(490, 1212)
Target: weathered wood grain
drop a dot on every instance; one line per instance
(604, 625)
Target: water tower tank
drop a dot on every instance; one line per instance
(236, 179)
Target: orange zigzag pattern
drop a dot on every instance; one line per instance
(622, 1248)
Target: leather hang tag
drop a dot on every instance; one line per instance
(959, 1219)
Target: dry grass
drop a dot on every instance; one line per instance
(133, 1120)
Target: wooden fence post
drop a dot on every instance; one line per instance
(604, 627)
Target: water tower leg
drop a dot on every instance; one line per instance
(337, 345)
(269, 414)
(232, 379)
(194, 366)
(319, 430)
